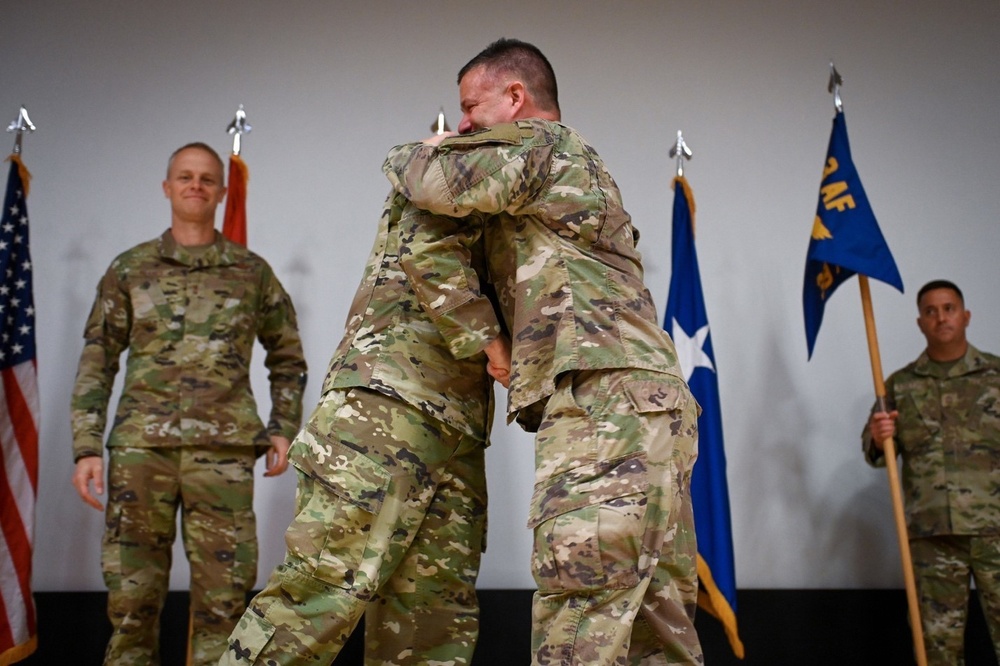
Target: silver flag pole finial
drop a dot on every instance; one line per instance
(681, 151)
(834, 87)
(440, 125)
(238, 127)
(20, 125)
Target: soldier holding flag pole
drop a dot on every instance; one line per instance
(942, 410)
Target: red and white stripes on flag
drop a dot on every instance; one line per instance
(18, 423)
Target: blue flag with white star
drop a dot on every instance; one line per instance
(687, 323)
(846, 238)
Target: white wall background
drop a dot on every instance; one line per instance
(329, 87)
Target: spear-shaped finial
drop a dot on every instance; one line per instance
(20, 125)
(440, 125)
(681, 151)
(238, 127)
(834, 87)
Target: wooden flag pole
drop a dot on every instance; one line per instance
(889, 449)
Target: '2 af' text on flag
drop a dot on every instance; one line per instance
(687, 322)
(846, 238)
(18, 423)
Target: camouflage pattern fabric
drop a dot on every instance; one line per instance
(392, 486)
(392, 346)
(948, 439)
(391, 520)
(614, 551)
(214, 490)
(444, 274)
(614, 539)
(189, 322)
(942, 566)
(561, 249)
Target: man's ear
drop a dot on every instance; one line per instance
(517, 94)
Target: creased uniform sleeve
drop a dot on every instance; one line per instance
(491, 171)
(279, 335)
(106, 335)
(443, 260)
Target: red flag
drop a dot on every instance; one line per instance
(234, 226)
(18, 423)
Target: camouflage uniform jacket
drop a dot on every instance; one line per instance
(561, 250)
(948, 437)
(392, 346)
(189, 323)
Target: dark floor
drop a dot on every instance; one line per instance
(778, 627)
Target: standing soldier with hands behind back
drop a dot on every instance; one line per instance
(187, 306)
(945, 421)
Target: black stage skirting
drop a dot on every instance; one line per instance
(794, 627)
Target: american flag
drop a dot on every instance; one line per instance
(18, 423)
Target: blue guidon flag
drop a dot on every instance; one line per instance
(846, 238)
(687, 323)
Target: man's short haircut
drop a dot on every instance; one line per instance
(523, 61)
(200, 146)
(939, 284)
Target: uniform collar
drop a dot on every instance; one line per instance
(973, 361)
(220, 254)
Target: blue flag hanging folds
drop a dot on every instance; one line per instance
(846, 238)
(687, 323)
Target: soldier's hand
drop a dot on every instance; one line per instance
(89, 468)
(498, 356)
(882, 426)
(438, 138)
(276, 459)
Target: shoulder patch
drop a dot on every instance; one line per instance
(505, 133)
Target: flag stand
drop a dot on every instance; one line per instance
(891, 466)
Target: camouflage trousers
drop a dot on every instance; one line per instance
(214, 490)
(614, 553)
(943, 566)
(390, 523)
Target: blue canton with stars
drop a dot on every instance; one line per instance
(17, 308)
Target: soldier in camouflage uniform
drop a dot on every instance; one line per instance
(187, 307)
(945, 419)
(391, 504)
(592, 371)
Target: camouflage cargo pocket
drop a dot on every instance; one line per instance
(111, 554)
(588, 527)
(331, 533)
(245, 566)
(248, 639)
